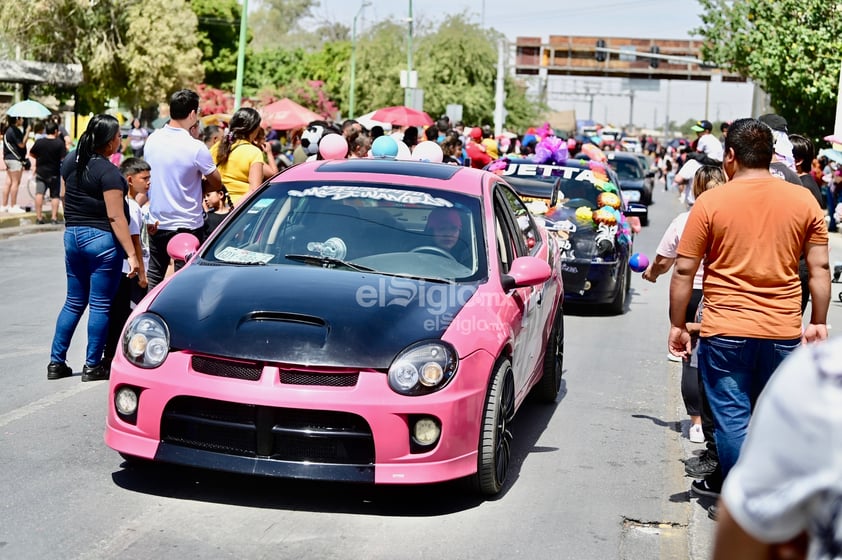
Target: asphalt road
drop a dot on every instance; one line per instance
(597, 476)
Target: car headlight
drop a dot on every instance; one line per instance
(632, 196)
(422, 368)
(146, 341)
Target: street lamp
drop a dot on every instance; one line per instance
(354, 58)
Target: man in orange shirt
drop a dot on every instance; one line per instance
(751, 233)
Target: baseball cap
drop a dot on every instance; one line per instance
(476, 133)
(775, 122)
(702, 125)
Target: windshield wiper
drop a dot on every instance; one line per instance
(435, 279)
(326, 261)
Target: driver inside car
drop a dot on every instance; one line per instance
(444, 230)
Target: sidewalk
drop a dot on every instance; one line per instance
(21, 224)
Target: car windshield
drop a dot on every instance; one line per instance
(535, 181)
(381, 228)
(626, 169)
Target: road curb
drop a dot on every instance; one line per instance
(12, 225)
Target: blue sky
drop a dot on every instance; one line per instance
(656, 19)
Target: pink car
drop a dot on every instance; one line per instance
(371, 321)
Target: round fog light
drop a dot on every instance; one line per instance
(126, 401)
(426, 431)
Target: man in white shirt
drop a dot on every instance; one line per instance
(707, 143)
(179, 161)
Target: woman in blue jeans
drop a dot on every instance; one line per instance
(95, 243)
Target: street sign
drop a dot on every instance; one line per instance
(413, 79)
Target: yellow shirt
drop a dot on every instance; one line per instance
(491, 147)
(235, 171)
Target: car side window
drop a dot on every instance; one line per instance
(506, 246)
(526, 224)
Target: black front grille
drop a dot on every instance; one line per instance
(284, 434)
(226, 368)
(295, 377)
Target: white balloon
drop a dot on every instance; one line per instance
(403, 151)
(428, 151)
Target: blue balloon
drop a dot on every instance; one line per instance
(384, 147)
(638, 262)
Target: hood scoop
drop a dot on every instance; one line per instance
(273, 328)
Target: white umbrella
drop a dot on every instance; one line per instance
(369, 123)
(29, 109)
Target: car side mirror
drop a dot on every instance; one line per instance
(650, 174)
(182, 246)
(526, 271)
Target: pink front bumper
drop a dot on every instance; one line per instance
(458, 407)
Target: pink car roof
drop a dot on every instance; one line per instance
(410, 173)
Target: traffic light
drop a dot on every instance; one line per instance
(600, 54)
(653, 62)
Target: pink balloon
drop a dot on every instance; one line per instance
(333, 146)
(428, 151)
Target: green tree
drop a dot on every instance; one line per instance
(126, 48)
(157, 59)
(381, 55)
(274, 20)
(791, 48)
(219, 38)
(458, 64)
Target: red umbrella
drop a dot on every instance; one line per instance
(286, 114)
(402, 115)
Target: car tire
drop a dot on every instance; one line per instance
(546, 390)
(618, 304)
(495, 440)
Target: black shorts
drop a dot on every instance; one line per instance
(51, 184)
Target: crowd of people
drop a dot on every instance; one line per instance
(760, 383)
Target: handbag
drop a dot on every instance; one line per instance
(25, 161)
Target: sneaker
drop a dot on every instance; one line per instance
(54, 222)
(701, 466)
(16, 210)
(95, 373)
(713, 511)
(695, 433)
(4, 208)
(673, 358)
(40, 221)
(700, 488)
(58, 370)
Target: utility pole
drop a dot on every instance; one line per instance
(352, 93)
(499, 94)
(241, 55)
(409, 98)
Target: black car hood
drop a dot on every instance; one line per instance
(303, 314)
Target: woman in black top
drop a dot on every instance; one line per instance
(14, 154)
(95, 243)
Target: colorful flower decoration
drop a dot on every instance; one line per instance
(499, 165)
(604, 216)
(609, 199)
(584, 215)
(551, 150)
